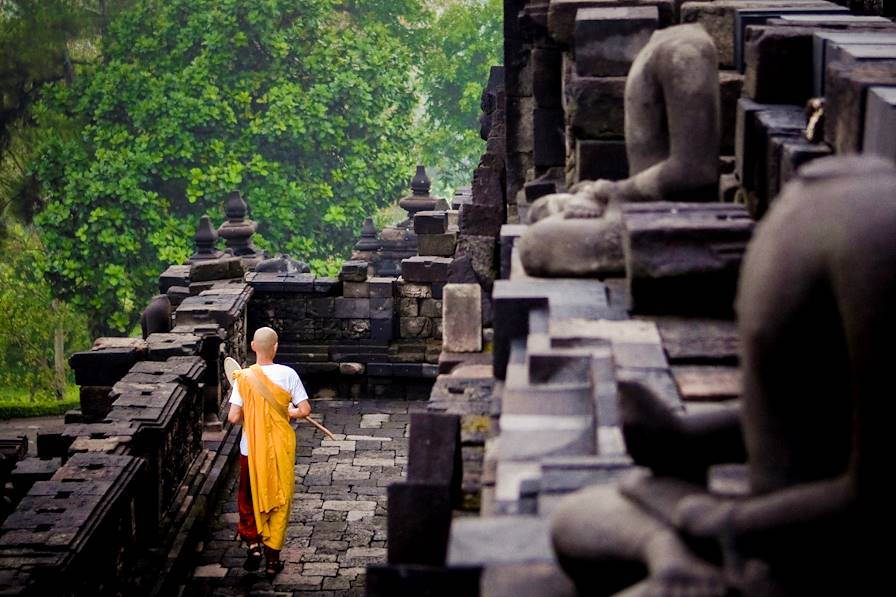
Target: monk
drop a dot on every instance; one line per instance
(265, 398)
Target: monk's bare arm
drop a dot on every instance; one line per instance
(301, 411)
(235, 415)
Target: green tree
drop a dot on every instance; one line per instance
(41, 41)
(306, 107)
(465, 41)
(31, 319)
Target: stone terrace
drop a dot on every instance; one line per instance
(338, 522)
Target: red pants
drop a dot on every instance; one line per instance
(246, 527)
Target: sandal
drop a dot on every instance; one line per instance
(274, 568)
(253, 558)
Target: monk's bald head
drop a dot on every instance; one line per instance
(264, 343)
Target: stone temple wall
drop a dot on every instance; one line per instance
(537, 417)
(129, 478)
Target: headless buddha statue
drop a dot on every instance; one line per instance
(672, 142)
(817, 321)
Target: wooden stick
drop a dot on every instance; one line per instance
(323, 429)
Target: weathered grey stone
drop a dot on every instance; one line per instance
(499, 539)
(595, 107)
(355, 290)
(696, 270)
(608, 39)
(596, 160)
(430, 222)
(418, 535)
(425, 269)
(346, 308)
(431, 307)
(880, 122)
(718, 18)
(353, 271)
(462, 318)
(415, 327)
(438, 245)
(382, 308)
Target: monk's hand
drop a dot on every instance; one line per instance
(590, 199)
(548, 206)
(705, 516)
(295, 413)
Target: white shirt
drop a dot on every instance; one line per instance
(283, 376)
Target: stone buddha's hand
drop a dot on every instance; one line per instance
(548, 205)
(705, 516)
(590, 199)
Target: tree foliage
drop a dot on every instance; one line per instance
(31, 315)
(306, 107)
(465, 41)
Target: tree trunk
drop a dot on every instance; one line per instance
(59, 354)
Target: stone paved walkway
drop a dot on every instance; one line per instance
(338, 522)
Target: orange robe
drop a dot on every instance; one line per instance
(272, 452)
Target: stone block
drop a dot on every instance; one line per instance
(542, 579)
(718, 18)
(500, 539)
(328, 286)
(562, 14)
(415, 327)
(778, 65)
(355, 290)
(380, 287)
(320, 307)
(408, 307)
(107, 361)
(772, 127)
(519, 124)
(430, 222)
(880, 122)
(382, 308)
(481, 251)
(437, 245)
(175, 275)
(480, 219)
(216, 269)
(95, 401)
(547, 65)
(608, 39)
(425, 269)
(707, 384)
(430, 307)
(434, 451)
(379, 369)
(296, 282)
(751, 137)
(382, 330)
(595, 107)
(754, 16)
(684, 258)
(730, 87)
(349, 308)
(845, 91)
(795, 153)
(413, 290)
(418, 535)
(353, 271)
(601, 159)
(462, 318)
(414, 581)
(821, 40)
(549, 138)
